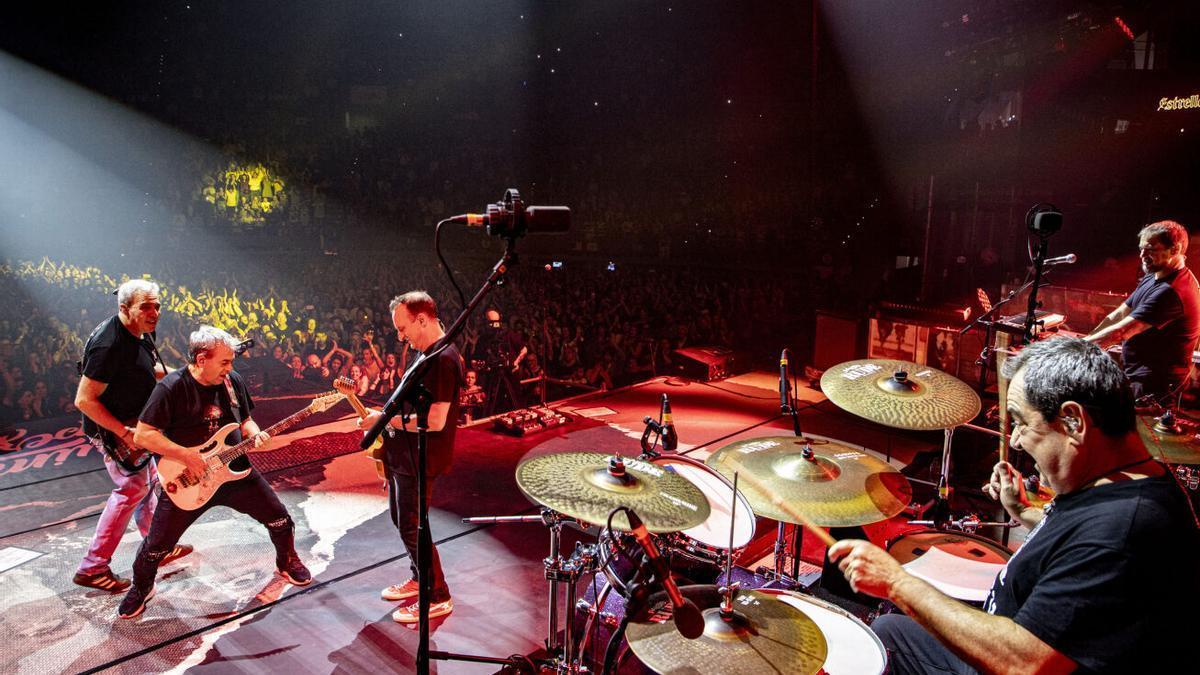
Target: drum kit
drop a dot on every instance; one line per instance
(704, 513)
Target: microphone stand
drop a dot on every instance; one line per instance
(1039, 265)
(411, 391)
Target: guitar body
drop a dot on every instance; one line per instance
(189, 493)
(130, 459)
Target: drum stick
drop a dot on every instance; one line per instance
(1002, 354)
(817, 531)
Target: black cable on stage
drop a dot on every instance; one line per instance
(437, 248)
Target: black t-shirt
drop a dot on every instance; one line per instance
(1171, 305)
(1106, 575)
(443, 380)
(188, 412)
(125, 363)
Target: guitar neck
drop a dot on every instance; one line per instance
(234, 451)
(357, 405)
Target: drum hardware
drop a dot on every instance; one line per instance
(563, 658)
(968, 524)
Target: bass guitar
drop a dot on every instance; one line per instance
(346, 387)
(131, 459)
(189, 492)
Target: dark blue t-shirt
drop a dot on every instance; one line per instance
(1162, 354)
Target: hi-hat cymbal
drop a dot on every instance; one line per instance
(763, 635)
(1173, 443)
(900, 394)
(838, 486)
(588, 485)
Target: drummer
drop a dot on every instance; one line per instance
(1105, 568)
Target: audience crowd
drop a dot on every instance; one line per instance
(316, 319)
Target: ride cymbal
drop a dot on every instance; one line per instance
(762, 635)
(589, 485)
(1170, 439)
(837, 486)
(900, 394)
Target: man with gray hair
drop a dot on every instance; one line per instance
(119, 369)
(186, 409)
(1098, 583)
(1159, 322)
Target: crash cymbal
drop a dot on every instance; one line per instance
(900, 394)
(838, 486)
(1173, 441)
(763, 635)
(588, 485)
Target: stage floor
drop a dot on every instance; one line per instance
(223, 609)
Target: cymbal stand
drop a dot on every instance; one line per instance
(564, 658)
(787, 553)
(940, 506)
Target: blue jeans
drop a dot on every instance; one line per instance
(912, 649)
(131, 498)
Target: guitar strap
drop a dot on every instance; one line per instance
(234, 406)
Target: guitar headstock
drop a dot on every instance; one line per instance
(325, 401)
(344, 385)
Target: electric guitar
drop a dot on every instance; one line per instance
(189, 492)
(131, 459)
(346, 387)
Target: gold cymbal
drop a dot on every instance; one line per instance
(763, 635)
(900, 394)
(588, 485)
(1173, 444)
(838, 486)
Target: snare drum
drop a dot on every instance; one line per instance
(961, 565)
(853, 648)
(708, 542)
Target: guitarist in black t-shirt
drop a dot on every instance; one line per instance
(119, 369)
(415, 316)
(184, 410)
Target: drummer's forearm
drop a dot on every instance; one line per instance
(989, 643)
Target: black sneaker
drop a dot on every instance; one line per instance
(134, 603)
(105, 581)
(293, 571)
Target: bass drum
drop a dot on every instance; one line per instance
(961, 565)
(708, 542)
(853, 648)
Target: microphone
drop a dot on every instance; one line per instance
(511, 218)
(785, 406)
(686, 614)
(1068, 259)
(242, 346)
(670, 439)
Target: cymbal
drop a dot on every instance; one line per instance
(763, 635)
(588, 485)
(1177, 444)
(900, 394)
(838, 486)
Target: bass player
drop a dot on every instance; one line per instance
(119, 369)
